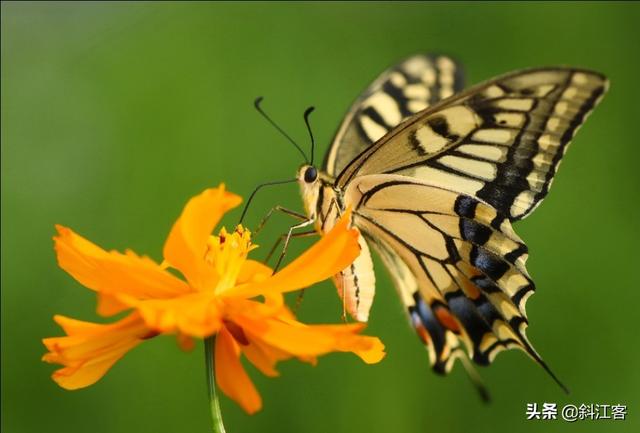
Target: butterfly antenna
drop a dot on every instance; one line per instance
(257, 105)
(307, 112)
(257, 188)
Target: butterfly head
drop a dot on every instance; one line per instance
(309, 180)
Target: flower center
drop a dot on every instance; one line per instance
(227, 252)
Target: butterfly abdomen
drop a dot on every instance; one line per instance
(356, 284)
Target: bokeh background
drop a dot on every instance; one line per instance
(113, 114)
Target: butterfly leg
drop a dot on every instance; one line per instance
(282, 238)
(275, 246)
(291, 213)
(288, 237)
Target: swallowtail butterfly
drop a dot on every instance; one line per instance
(435, 176)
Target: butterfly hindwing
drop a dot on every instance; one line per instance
(457, 271)
(443, 345)
(500, 141)
(399, 92)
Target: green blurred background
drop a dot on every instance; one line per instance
(113, 114)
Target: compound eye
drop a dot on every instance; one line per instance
(310, 174)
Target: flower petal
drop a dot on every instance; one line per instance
(90, 349)
(231, 376)
(331, 254)
(240, 308)
(253, 271)
(108, 305)
(196, 314)
(185, 342)
(308, 341)
(369, 349)
(261, 356)
(186, 245)
(296, 339)
(113, 272)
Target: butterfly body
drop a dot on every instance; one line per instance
(324, 203)
(434, 177)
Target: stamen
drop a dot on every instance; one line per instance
(227, 252)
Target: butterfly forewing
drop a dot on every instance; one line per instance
(399, 92)
(501, 141)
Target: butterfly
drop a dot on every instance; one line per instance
(435, 176)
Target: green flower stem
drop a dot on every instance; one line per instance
(214, 403)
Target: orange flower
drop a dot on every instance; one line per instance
(216, 297)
